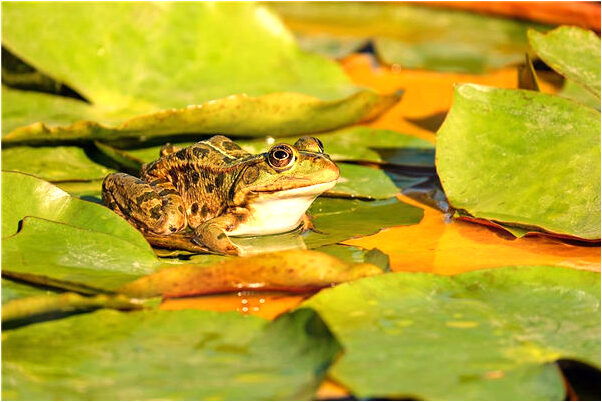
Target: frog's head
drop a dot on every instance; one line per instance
(287, 171)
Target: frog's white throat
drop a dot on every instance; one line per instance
(279, 212)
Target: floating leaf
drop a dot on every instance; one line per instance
(506, 155)
(363, 182)
(414, 36)
(357, 255)
(24, 195)
(336, 220)
(53, 163)
(291, 270)
(70, 257)
(576, 92)
(573, 52)
(30, 307)
(171, 355)
(483, 335)
(315, 95)
(13, 290)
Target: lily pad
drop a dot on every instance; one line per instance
(336, 220)
(483, 335)
(291, 270)
(573, 52)
(24, 195)
(363, 182)
(576, 92)
(172, 92)
(505, 155)
(416, 36)
(53, 163)
(13, 290)
(223, 356)
(71, 257)
(357, 255)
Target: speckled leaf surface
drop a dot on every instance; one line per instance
(483, 335)
(223, 356)
(53, 163)
(573, 52)
(506, 155)
(291, 270)
(63, 255)
(153, 68)
(24, 195)
(336, 220)
(416, 36)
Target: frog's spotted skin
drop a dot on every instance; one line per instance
(218, 189)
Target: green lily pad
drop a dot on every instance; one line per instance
(357, 255)
(290, 270)
(24, 195)
(483, 335)
(71, 257)
(505, 155)
(175, 91)
(336, 220)
(576, 92)
(212, 356)
(13, 290)
(573, 52)
(363, 182)
(31, 307)
(88, 190)
(416, 36)
(53, 163)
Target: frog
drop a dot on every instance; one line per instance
(217, 190)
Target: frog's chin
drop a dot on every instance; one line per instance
(279, 212)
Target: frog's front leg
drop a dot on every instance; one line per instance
(212, 234)
(156, 207)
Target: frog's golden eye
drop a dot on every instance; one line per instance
(310, 144)
(281, 156)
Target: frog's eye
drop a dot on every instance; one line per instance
(281, 156)
(310, 144)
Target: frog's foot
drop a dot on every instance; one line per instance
(155, 207)
(306, 224)
(212, 234)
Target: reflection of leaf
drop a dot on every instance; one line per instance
(160, 88)
(573, 52)
(53, 163)
(506, 155)
(171, 355)
(336, 220)
(415, 36)
(59, 254)
(357, 255)
(291, 270)
(483, 335)
(68, 302)
(24, 195)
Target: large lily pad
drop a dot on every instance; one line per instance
(24, 195)
(53, 163)
(291, 270)
(336, 220)
(483, 335)
(415, 36)
(507, 155)
(223, 356)
(59, 254)
(573, 52)
(246, 62)
(13, 290)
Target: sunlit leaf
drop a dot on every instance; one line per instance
(291, 270)
(336, 220)
(53, 163)
(483, 335)
(573, 52)
(364, 182)
(12, 290)
(167, 355)
(71, 257)
(415, 36)
(507, 155)
(579, 94)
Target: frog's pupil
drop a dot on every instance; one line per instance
(280, 155)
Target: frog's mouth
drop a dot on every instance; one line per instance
(305, 191)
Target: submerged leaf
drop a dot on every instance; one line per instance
(483, 335)
(167, 355)
(336, 220)
(291, 270)
(499, 149)
(573, 52)
(416, 36)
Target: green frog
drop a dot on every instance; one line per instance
(219, 190)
